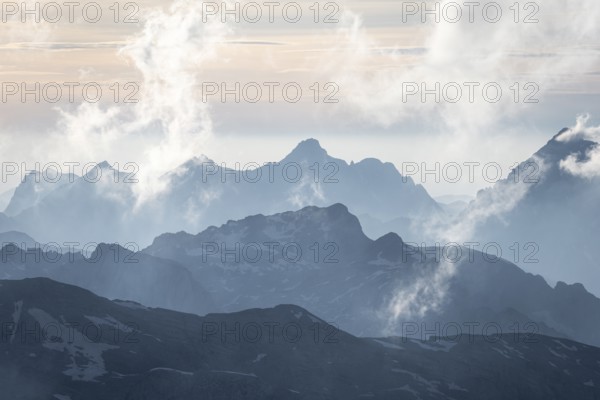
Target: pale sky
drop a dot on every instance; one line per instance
(369, 54)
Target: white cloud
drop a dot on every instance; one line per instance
(428, 292)
(590, 167)
(481, 52)
(168, 125)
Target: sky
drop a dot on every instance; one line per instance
(363, 68)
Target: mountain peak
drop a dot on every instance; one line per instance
(555, 137)
(108, 251)
(103, 165)
(100, 169)
(558, 148)
(308, 149)
(199, 160)
(573, 288)
(389, 246)
(390, 238)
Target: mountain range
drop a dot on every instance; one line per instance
(220, 254)
(320, 259)
(104, 207)
(81, 346)
(111, 271)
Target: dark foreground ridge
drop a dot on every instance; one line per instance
(63, 342)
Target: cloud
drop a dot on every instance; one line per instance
(305, 193)
(543, 53)
(169, 53)
(428, 292)
(168, 125)
(415, 299)
(581, 131)
(30, 31)
(61, 45)
(590, 167)
(399, 51)
(255, 43)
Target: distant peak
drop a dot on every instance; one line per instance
(391, 238)
(201, 159)
(563, 130)
(308, 149)
(575, 287)
(572, 135)
(338, 209)
(563, 144)
(390, 246)
(108, 251)
(95, 173)
(103, 165)
(310, 143)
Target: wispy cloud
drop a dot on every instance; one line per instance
(428, 291)
(590, 167)
(168, 125)
(482, 52)
(61, 46)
